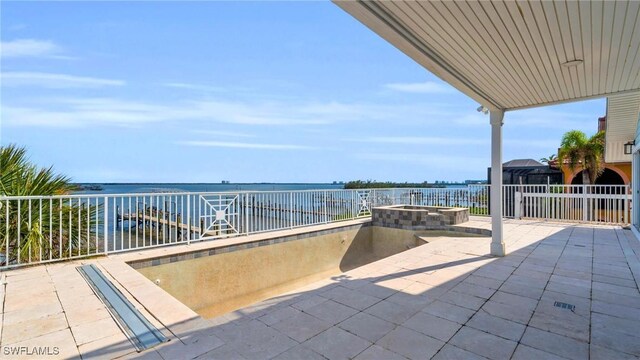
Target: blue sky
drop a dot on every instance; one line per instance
(241, 91)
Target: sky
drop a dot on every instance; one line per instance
(245, 92)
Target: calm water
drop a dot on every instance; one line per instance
(131, 221)
(172, 188)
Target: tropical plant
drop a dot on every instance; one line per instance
(581, 152)
(550, 159)
(41, 227)
(18, 177)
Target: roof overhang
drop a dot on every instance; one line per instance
(512, 55)
(622, 122)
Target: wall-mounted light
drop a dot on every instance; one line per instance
(482, 109)
(628, 147)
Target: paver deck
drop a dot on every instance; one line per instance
(565, 291)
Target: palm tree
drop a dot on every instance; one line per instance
(578, 151)
(550, 159)
(19, 177)
(39, 228)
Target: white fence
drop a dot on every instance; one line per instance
(38, 229)
(584, 203)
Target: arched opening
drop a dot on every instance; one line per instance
(608, 177)
(608, 197)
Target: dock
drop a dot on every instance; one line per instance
(153, 217)
(253, 214)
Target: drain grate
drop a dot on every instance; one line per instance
(563, 305)
(576, 245)
(139, 330)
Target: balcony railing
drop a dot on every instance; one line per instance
(38, 229)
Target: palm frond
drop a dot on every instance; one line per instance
(47, 228)
(579, 151)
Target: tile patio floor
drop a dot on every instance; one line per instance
(444, 300)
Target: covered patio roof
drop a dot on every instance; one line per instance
(512, 55)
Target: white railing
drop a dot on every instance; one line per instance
(584, 203)
(38, 229)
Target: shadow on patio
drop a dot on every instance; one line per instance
(564, 291)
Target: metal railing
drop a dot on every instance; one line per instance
(584, 203)
(39, 229)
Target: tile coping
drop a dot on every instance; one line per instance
(193, 246)
(187, 252)
(246, 242)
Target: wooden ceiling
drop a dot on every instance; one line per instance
(516, 54)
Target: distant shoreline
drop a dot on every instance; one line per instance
(345, 185)
(391, 184)
(131, 188)
(144, 188)
(201, 183)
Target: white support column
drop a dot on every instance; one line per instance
(635, 189)
(497, 244)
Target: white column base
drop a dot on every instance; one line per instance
(498, 249)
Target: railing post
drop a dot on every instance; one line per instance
(106, 224)
(465, 197)
(354, 194)
(291, 208)
(246, 213)
(188, 219)
(584, 203)
(517, 205)
(372, 197)
(548, 203)
(627, 199)
(324, 204)
(487, 199)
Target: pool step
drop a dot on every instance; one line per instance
(140, 331)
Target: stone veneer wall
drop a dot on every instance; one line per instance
(415, 218)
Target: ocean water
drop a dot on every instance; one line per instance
(135, 214)
(177, 187)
